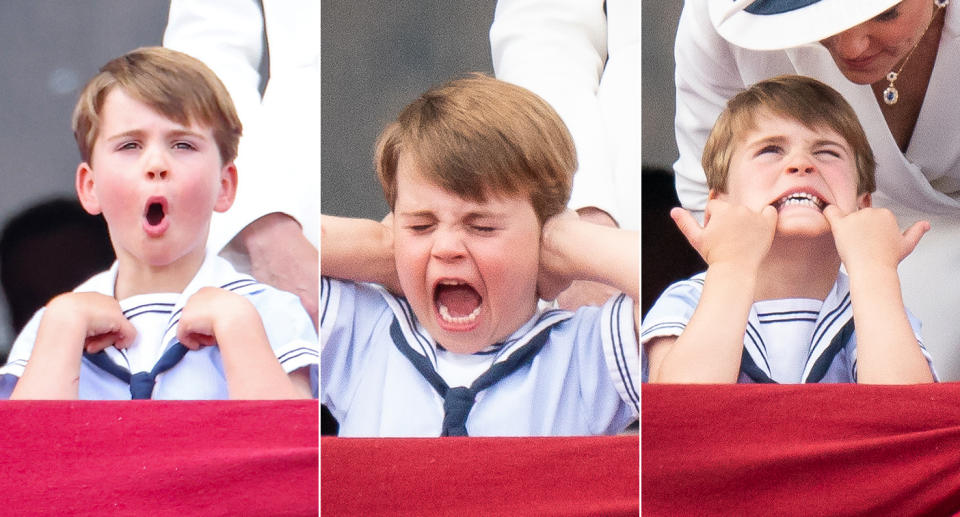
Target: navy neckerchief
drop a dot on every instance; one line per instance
(141, 384)
(458, 401)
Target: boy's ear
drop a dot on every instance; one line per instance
(865, 200)
(228, 188)
(85, 190)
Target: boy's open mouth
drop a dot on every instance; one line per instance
(800, 199)
(457, 302)
(155, 216)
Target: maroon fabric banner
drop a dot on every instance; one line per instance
(159, 458)
(480, 476)
(837, 449)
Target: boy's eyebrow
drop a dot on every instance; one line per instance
(469, 216)
(138, 133)
(775, 139)
(778, 139)
(416, 213)
(827, 141)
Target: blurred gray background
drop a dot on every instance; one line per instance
(49, 50)
(658, 28)
(376, 57)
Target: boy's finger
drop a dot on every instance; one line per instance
(832, 214)
(127, 334)
(688, 225)
(913, 234)
(94, 344)
(769, 213)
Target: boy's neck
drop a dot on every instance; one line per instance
(798, 267)
(135, 277)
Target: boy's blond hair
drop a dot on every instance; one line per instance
(176, 85)
(806, 100)
(479, 136)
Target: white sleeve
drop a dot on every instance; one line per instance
(278, 157)
(350, 315)
(557, 49)
(672, 311)
(227, 35)
(706, 77)
(289, 330)
(621, 350)
(20, 353)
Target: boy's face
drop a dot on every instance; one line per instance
(156, 182)
(468, 269)
(796, 169)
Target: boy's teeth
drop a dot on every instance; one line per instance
(800, 198)
(469, 318)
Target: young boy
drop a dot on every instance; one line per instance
(158, 133)
(790, 172)
(477, 173)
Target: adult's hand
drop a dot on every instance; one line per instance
(281, 256)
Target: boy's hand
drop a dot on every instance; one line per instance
(585, 292)
(205, 311)
(554, 275)
(731, 233)
(100, 315)
(871, 235)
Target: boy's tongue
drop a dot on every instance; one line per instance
(460, 300)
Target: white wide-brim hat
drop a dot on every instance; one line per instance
(779, 24)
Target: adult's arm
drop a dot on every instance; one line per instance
(706, 77)
(270, 230)
(557, 49)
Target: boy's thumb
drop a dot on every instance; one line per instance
(687, 224)
(832, 213)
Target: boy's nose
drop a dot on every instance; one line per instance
(448, 245)
(807, 169)
(800, 163)
(156, 167)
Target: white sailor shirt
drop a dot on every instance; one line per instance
(583, 381)
(827, 353)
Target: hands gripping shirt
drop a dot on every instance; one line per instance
(581, 381)
(199, 374)
(786, 341)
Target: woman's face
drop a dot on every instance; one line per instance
(867, 52)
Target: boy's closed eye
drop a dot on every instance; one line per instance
(483, 228)
(419, 228)
(770, 148)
